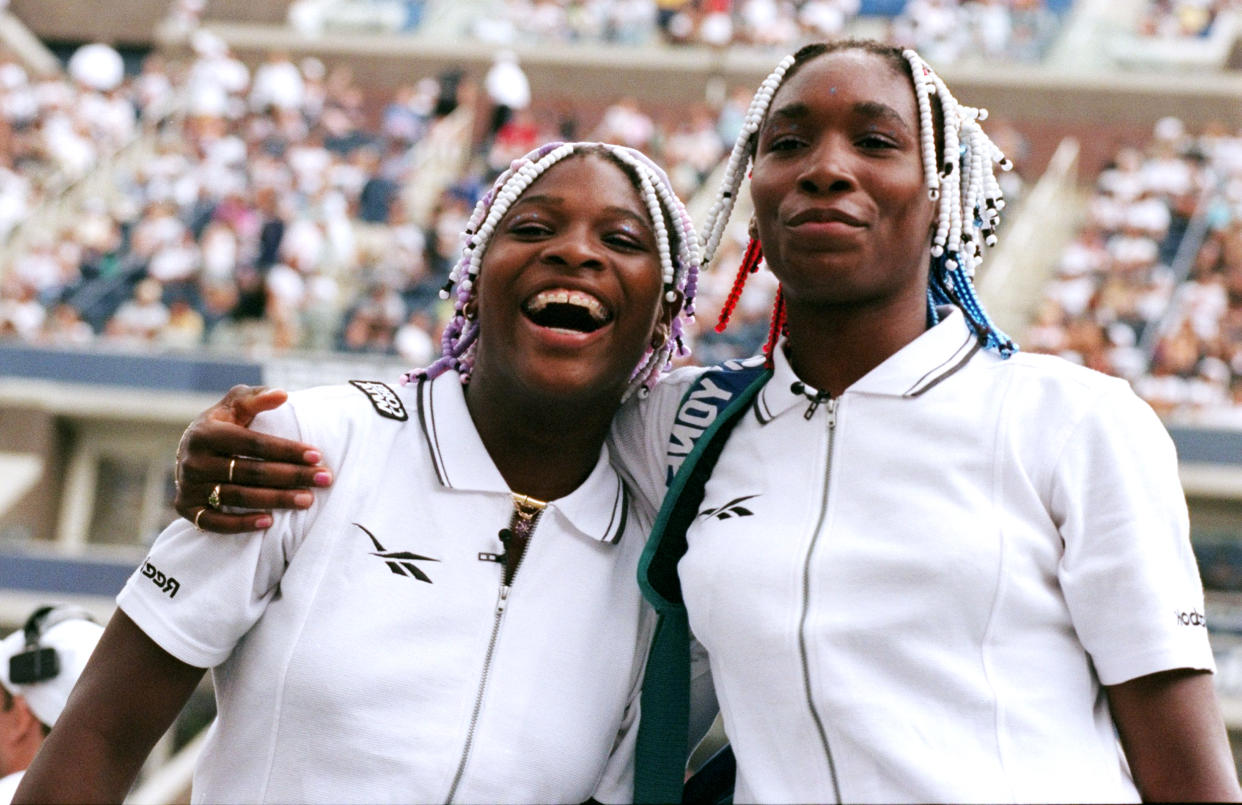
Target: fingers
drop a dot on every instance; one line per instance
(211, 439)
(254, 485)
(247, 472)
(192, 503)
(224, 523)
(247, 401)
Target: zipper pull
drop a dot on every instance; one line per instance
(810, 409)
(503, 599)
(816, 399)
(832, 412)
(506, 536)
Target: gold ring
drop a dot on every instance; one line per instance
(232, 464)
(213, 500)
(197, 515)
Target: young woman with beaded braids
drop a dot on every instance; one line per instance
(965, 574)
(927, 567)
(456, 619)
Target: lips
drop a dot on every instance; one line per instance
(824, 215)
(566, 309)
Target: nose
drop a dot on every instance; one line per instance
(574, 248)
(828, 169)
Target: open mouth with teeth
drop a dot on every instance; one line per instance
(561, 309)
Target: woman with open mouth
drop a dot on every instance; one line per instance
(419, 633)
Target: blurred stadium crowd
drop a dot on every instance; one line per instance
(269, 210)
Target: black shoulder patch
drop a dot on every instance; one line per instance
(387, 403)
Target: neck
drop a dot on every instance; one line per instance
(543, 447)
(833, 346)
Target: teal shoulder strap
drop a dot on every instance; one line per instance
(707, 414)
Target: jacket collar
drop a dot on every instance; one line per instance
(912, 370)
(598, 508)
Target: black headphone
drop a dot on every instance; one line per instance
(39, 663)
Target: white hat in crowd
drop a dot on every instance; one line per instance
(72, 640)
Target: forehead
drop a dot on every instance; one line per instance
(588, 179)
(854, 75)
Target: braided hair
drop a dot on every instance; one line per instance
(676, 243)
(959, 177)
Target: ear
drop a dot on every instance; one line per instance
(752, 229)
(664, 324)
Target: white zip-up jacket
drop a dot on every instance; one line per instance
(366, 649)
(913, 592)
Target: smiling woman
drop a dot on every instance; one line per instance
(473, 565)
(958, 571)
(657, 225)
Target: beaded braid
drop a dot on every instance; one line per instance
(969, 198)
(739, 160)
(751, 261)
(776, 329)
(679, 271)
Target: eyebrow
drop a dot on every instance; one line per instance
(874, 110)
(880, 111)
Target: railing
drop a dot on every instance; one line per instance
(440, 158)
(1012, 276)
(1183, 261)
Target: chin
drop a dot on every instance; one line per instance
(575, 383)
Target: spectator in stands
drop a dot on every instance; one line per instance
(64, 327)
(142, 318)
(277, 84)
(507, 88)
(692, 150)
(406, 116)
(39, 664)
(517, 135)
(1181, 18)
(21, 315)
(185, 326)
(625, 122)
(415, 341)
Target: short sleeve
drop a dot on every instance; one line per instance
(1128, 572)
(198, 592)
(639, 439)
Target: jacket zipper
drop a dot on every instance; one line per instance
(831, 405)
(526, 511)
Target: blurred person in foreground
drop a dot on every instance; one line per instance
(39, 665)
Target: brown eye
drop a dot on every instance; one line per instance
(878, 141)
(784, 142)
(529, 229)
(626, 240)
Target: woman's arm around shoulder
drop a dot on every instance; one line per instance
(127, 697)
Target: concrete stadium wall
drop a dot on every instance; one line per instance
(128, 22)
